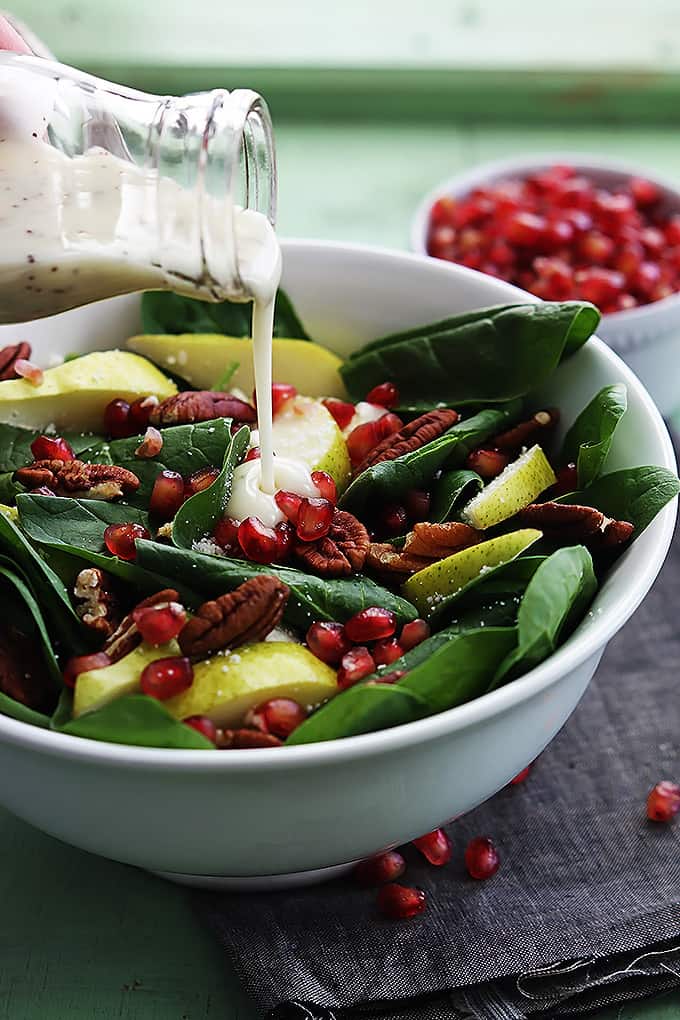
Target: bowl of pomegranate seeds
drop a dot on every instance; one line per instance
(248, 685)
(573, 227)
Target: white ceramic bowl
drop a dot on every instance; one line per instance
(647, 337)
(241, 815)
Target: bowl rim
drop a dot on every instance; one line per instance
(461, 183)
(576, 650)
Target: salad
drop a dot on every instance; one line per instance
(447, 543)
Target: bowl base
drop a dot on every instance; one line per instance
(257, 883)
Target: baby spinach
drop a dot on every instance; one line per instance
(164, 312)
(589, 439)
(453, 487)
(15, 445)
(137, 719)
(634, 494)
(484, 360)
(360, 709)
(196, 518)
(15, 710)
(9, 489)
(75, 523)
(556, 598)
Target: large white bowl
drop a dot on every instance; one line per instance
(648, 337)
(241, 815)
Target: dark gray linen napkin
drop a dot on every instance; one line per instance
(583, 913)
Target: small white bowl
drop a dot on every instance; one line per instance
(648, 337)
(286, 816)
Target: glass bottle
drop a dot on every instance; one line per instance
(106, 190)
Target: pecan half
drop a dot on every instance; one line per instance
(77, 479)
(411, 437)
(245, 740)
(126, 637)
(244, 615)
(520, 435)
(436, 541)
(97, 603)
(568, 523)
(22, 669)
(9, 357)
(201, 405)
(341, 552)
(393, 564)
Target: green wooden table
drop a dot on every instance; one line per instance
(85, 938)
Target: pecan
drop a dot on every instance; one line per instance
(436, 541)
(151, 445)
(22, 669)
(245, 739)
(201, 405)
(391, 563)
(244, 615)
(9, 357)
(518, 436)
(126, 637)
(98, 604)
(616, 533)
(341, 552)
(568, 523)
(77, 479)
(411, 437)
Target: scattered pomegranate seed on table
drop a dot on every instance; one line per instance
(328, 641)
(521, 776)
(82, 664)
(663, 802)
(51, 448)
(120, 539)
(371, 624)
(354, 666)
(435, 847)
(165, 678)
(160, 624)
(258, 542)
(167, 494)
(380, 869)
(203, 725)
(399, 902)
(481, 858)
(385, 395)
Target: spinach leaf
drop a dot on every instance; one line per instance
(634, 494)
(386, 481)
(487, 360)
(556, 598)
(15, 445)
(360, 709)
(311, 598)
(196, 518)
(9, 489)
(164, 312)
(450, 489)
(137, 719)
(78, 523)
(15, 710)
(589, 439)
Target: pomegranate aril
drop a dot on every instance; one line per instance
(200, 480)
(663, 802)
(653, 240)
(165, 678)
(521, 776)
(643, 191)
(289, 504)
(645, 278)
(385, 394)
(487, 463)
(151, 445)
(203, 725)
(386, 652)
(525, 229)
(481, 858)
(380, 869)
(280, 716)
(354, 666)
(117, 419)
(326, 486)
(362, 440)
(371, 624)
(27, 370)
(258, 542)
(226, 534)
(417, 504)
(51, 448)
(596, 248)
(160, 624)
(567, 480)
(558, 233)
(253, 454)
(342, 411)
(83, 664)
(393, 520)
(388, 424)
(284, 540)
(327, 640)
(167, 494)
(281, 392)
(140, 412)
(400, 902)
(414, 633)
(435, 847)
(313, 519)
(120, 539)
(443, 210)
(599, 286)
(672, 230)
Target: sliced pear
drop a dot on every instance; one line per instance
(97, 687)
(225, 687)
(201, 358)
(521, 482)
(429, 586)
(10, 512)
(304, 430)
(74, 394)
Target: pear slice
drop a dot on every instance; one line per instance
(226, 686)
(201, 358)
(521, 482)
(429, 586)
(305, 430)
(73, 395)
(97, 687)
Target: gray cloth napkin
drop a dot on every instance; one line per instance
(583, 913)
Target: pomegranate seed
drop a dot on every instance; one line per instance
(392, 677)
(28, 371)
(443, 210)
(362, 440)
(289, 504)
(226, 534)
(521, 776)
(387, 651)
(51, 448)
(380, 869)
(653, 240)
(393, 520)
(567, 480)
(140, 412)
(643, 191)
(435, 847)
(386, 395)
(596, 248)
(279, 716)
(327, 640)
(414, 633)
(401, 901)
(120, 539)
(354, 666)
(599, 285)
(284, 540)
(203, 725)
(83, 664)
(342, 411)
(672, 230)
(663, 802)
(501, 254)
(258, 542)
(625, 302)
(417, 503)
(326, 486)
(117, 419)
(487, 463)
(165, 678)
(388, 424)
(525, 229)
(281, 392)
(314, 519)
(167, 494)
(628, 258)
(151, 445)
(200, 480)
(481, 858)
(645, 279)
(160, 624)
(253, 453)
(371, 624)
(558, 233)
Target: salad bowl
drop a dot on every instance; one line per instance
(273, 817)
